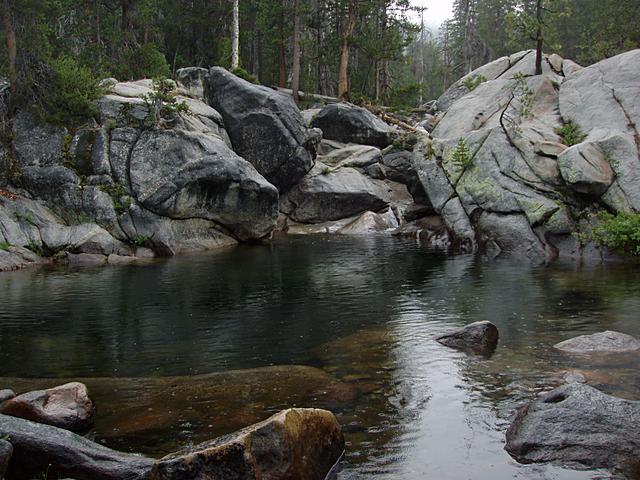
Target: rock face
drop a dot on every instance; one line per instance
(67, 406)
(6, 450)
(325, 195)
(538, 150)
(347, 123)
(478, 337)
(41, 448)
(265, 127)
(576, 425)
(602, 342)
(5, 395)
(300, 444)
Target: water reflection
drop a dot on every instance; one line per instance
(362, 310)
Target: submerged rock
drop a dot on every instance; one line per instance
(347, 123)
(601, 342)
(6, 450)
(67, 406)
(265, 127)
(39, 448)
(576, 425)
(478, 337)
(300, 444)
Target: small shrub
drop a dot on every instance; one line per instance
(242, 73)
(115, 190)
(474, 82)
(620, 233)
(162, 102)
(461, 155)
(524, 94)
(70, 99)
(139, 240)
(571, 134)
(35, 248)
(326, 171)
(4, 246)
(145, 61)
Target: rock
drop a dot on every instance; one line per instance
(16, 258)
(347, 123)
(598, 343)
(301, 444)
(309, 114)
(370, 222)
(186, 175)
(325, 195)
(358, 156)
(585, 169)
(5, 395)
(576, 425)
(400, 167)
(81, 259)
(265, 127)
(192, 78)
(86, 238)
(430, 231)
(36, 144)
(6, 450)
(478, 337)
(41, 448)
(67, 406)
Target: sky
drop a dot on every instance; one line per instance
(437, 11)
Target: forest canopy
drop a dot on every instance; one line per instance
(374, 50)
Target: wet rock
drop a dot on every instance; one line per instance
(5, 395)
(601, 342)
(478, 337)
(370, 222)
(576, 425)
(6, 450)
(347, 123)
(41, 448)
(67, 406)
(265, 127)
(16, 258)
(81, 259)
(301, 444)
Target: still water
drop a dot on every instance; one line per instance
(188, 348)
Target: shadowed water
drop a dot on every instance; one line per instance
(357, 314)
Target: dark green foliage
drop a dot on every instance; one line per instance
(4, 246)
(70, 98)
(461, 155)
(571, 134)
(162, 102)
(139, 240)
(620, 233)
(145, 61)
(242, 73)
(35, 248)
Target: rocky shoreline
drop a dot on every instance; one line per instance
(244, 162)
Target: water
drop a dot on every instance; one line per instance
(196, 346)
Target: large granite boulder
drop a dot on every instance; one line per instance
(265, 127)
(347, 123)
(300, 444)
(577, 425)
(184, 175)
(607, 342)
(326, 194)
(507, 164)
(39, 448)
(67, 406)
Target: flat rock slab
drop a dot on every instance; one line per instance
(67, 406)
(600, 343)
(577, 425)
(478, 337)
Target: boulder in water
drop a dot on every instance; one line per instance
(478, 337)
(576, 425)
(599, 343)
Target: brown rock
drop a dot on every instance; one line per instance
(477, 337)
(295, 444)
(67, 406)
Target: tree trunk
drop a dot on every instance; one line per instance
(295, 67)
(125, 21)
(11, 42)
(343, 78)
(539, 40)
(235, 37)
(282, 80)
